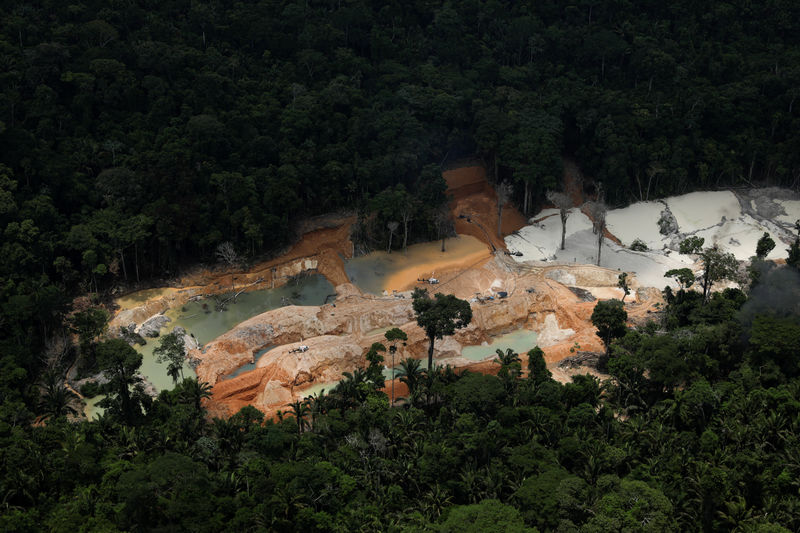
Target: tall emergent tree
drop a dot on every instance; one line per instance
(504, 191)
(121, 363)
(171, 350)
(562, 202)
(439, 316)
(597, 212)
(392, 227)
(394, 336)
(717, 266)
(609, 317)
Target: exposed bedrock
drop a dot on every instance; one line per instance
(337, 337)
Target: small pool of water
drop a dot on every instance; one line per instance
(317, 388)
(521, 341)
(201, 319)
(379, 271)
(92, 410)
(249, 366)
(377, 331)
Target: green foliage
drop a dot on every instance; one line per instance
(537, 366)
(684, 276)
(170, 350)
(439, 316)
(691, 245)
(764, 246)
(488, 516)
(638, 245)
(124, 392)
(609, 317)
(137, 138)
(717, 266)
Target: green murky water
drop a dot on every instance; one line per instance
(206, 324)
(92, 409)
(521, 341)
(249, 366)
(201, 318)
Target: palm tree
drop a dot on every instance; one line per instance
(510, 368)
(56, 401)
(411, 374)
(193, 392)
(508, 358)
(300, 410)
(317, 404)
(56, 398)
(351, 390)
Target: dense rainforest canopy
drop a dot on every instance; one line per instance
(136, 137)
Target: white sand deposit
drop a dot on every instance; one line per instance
(540, 240)
(716, 216)
(699, 210)
(637, 221)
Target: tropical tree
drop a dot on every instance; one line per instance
(764, 246)
(171, 350)
(89, 324)
(392, 227)
(226, 254)
(684, 276)
(393, 337)
(510, 368)
(193, 392)
(300, 410)
(504, 191)
(412, 374)
(439, 316)
(717, 266)
(563, 203)
(597, 212)
(120, 363)
(443, 224)
(610, 318)
(691, 245)
(537, 366)
(56, 399)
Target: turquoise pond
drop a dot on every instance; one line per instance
(521, 341)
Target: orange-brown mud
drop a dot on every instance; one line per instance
(473, 197)
(325, 245)
(556, 312)
(573, 182)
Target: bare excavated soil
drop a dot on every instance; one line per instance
(473, 197)
(339, 334)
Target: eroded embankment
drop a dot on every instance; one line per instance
(337, 337)
(473, 205)
(321, 249)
